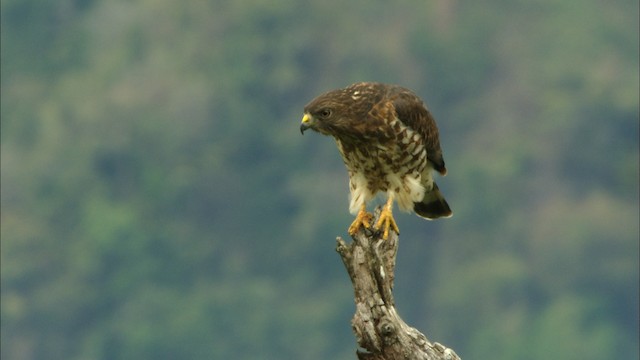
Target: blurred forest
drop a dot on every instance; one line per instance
(158, 201)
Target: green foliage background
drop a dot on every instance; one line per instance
(158, 201)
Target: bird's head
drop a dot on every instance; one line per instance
(327, 114)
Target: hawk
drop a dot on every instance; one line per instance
(389, 143)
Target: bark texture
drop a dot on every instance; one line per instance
(380, 332)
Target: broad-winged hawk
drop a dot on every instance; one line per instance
(389, 143)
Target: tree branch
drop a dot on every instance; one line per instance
(380, 332)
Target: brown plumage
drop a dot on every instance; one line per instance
(389, 143)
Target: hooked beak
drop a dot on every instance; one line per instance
(306, 123)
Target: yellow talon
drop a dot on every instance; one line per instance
(362, 219)
(386, 220)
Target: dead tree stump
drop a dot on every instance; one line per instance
(380, 332)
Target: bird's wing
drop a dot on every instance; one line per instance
(414, 114)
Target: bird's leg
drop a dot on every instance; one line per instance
(386, 219)
(363, 218)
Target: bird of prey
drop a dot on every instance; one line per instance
(389, 143)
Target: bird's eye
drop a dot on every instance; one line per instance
(325, 113)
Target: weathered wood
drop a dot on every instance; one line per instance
(380, 332)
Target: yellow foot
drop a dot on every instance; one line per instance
(386, 221)
(362, 219)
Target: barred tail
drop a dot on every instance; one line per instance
(433, 205)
